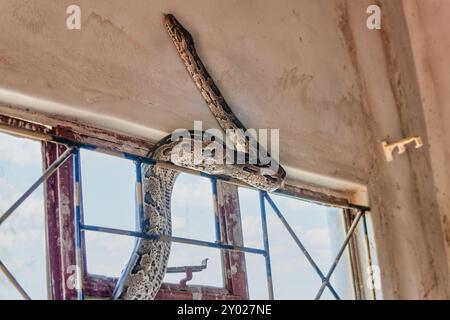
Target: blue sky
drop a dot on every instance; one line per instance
(108, 196)
(22, 237)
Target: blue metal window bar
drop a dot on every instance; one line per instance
(80, 227)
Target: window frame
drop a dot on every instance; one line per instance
(60, 207)
(61, 216)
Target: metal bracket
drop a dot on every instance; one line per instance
(400, 145)
(188, 270)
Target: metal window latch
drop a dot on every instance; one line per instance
(400, 145)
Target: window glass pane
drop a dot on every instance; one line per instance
(108, 186)
(321, 230)
(22, 236)
(193, 217)
(108, 200)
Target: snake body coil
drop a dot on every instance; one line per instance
(145, 271)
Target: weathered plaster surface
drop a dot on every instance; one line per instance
(311, 68)
(430, 39)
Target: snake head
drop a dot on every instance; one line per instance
(179, 35)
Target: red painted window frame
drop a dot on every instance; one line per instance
(59, 198)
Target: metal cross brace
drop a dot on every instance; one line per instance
(325, 279)
(339, 255)
(299, 243)
(13, 281)
(47, 173)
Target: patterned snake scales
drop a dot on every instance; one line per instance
(142, 277)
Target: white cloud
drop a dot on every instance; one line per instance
(22, 241)
(18, 151)
(107, 254)
(317, 238)
(178, 223)
(251, 226)
(191, 191)
(30, 211)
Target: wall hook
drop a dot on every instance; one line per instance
(400, 145)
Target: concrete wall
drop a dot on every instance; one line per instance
(430, 41)
(310, 68)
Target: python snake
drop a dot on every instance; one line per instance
(144, 273)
